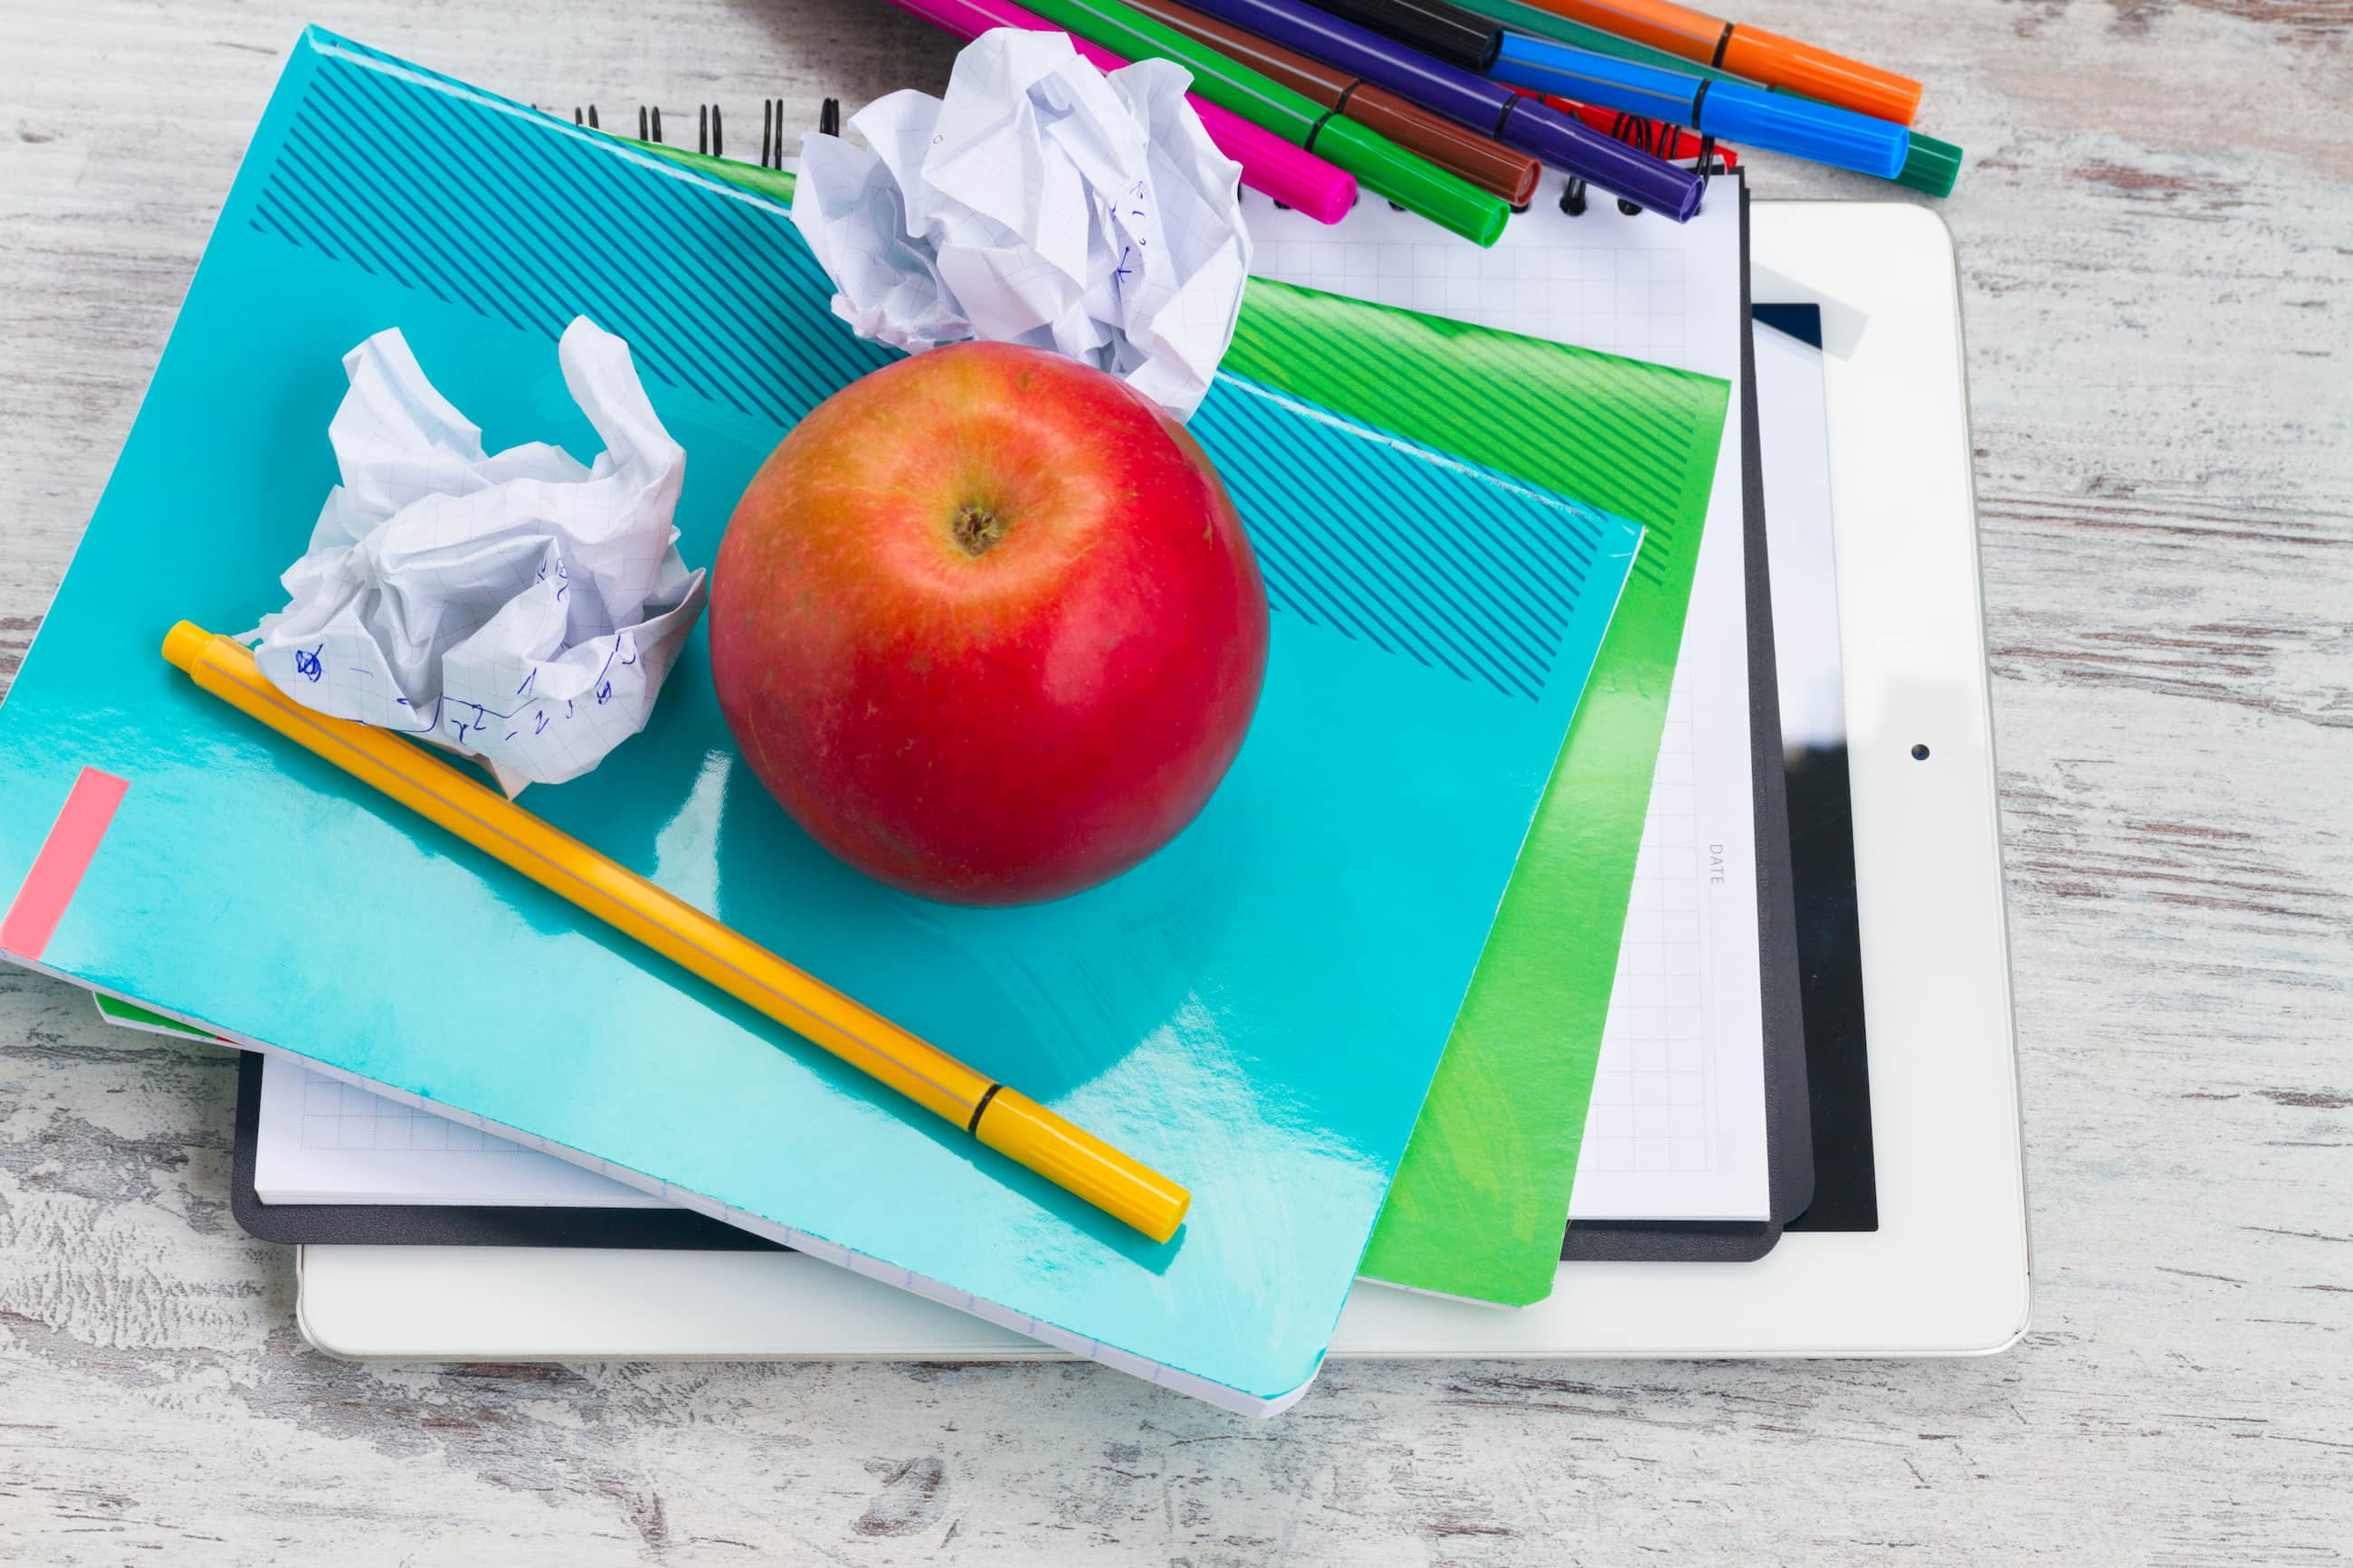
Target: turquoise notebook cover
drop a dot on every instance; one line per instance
(1256, 1011)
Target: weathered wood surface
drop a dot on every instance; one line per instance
(2156, 245)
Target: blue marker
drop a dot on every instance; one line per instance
(1747, 116)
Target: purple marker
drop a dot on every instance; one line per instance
(1484, 105)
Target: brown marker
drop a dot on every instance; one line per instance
(1480, 160)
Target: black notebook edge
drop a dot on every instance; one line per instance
(447, 1225)
(1789, 1113)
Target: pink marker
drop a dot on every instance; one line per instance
(1271, 166)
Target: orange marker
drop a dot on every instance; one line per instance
(1751, 52)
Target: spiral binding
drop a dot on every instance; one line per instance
(1657, 138)
(710, 127)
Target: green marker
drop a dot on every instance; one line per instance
(1931, 166)
(1379, 165)
(1413, 182)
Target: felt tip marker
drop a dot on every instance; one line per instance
(1379, 165)
(1750, 52)
(1438, 29)
(1484, 161)
(1006, 1120)
(1932, 166)
(1467, 98)
(1776, 122)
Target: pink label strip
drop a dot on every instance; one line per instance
(58, 870)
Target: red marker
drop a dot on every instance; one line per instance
(1653, 136)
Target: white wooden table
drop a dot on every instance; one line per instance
(2156, 242)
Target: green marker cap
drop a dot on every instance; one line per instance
(1415, 183)
(1931, 166)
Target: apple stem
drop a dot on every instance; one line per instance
(976, 528)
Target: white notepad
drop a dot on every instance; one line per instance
(1677, 1129)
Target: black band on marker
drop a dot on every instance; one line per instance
(1699, 97)
(1307, 146)
(1723, 41)
(1347, 93)
(987, 1095)
(1504, 114)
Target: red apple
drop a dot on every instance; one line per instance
(986, 625)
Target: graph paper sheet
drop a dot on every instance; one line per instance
(325, 1142)
(1677, 1129)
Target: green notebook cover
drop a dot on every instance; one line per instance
(131, 1015)
(1478, 1208)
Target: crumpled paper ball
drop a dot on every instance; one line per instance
(521, 606)
(1042, 203)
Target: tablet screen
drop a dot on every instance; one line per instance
(1793, 428)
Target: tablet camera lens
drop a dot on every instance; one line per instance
(1919, 753)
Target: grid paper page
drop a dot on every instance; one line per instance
(326, 1142)
(1677, 1128)
(1651, 1102)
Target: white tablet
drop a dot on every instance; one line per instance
(1930, 1256)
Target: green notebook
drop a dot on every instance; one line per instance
(1480, 1204)
(131, 1015)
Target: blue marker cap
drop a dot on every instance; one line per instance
(1779, 122)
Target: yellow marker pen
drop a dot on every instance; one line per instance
(1006, 1120)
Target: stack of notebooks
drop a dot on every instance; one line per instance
(1491, 858)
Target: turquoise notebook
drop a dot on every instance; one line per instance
(1256, 1011)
